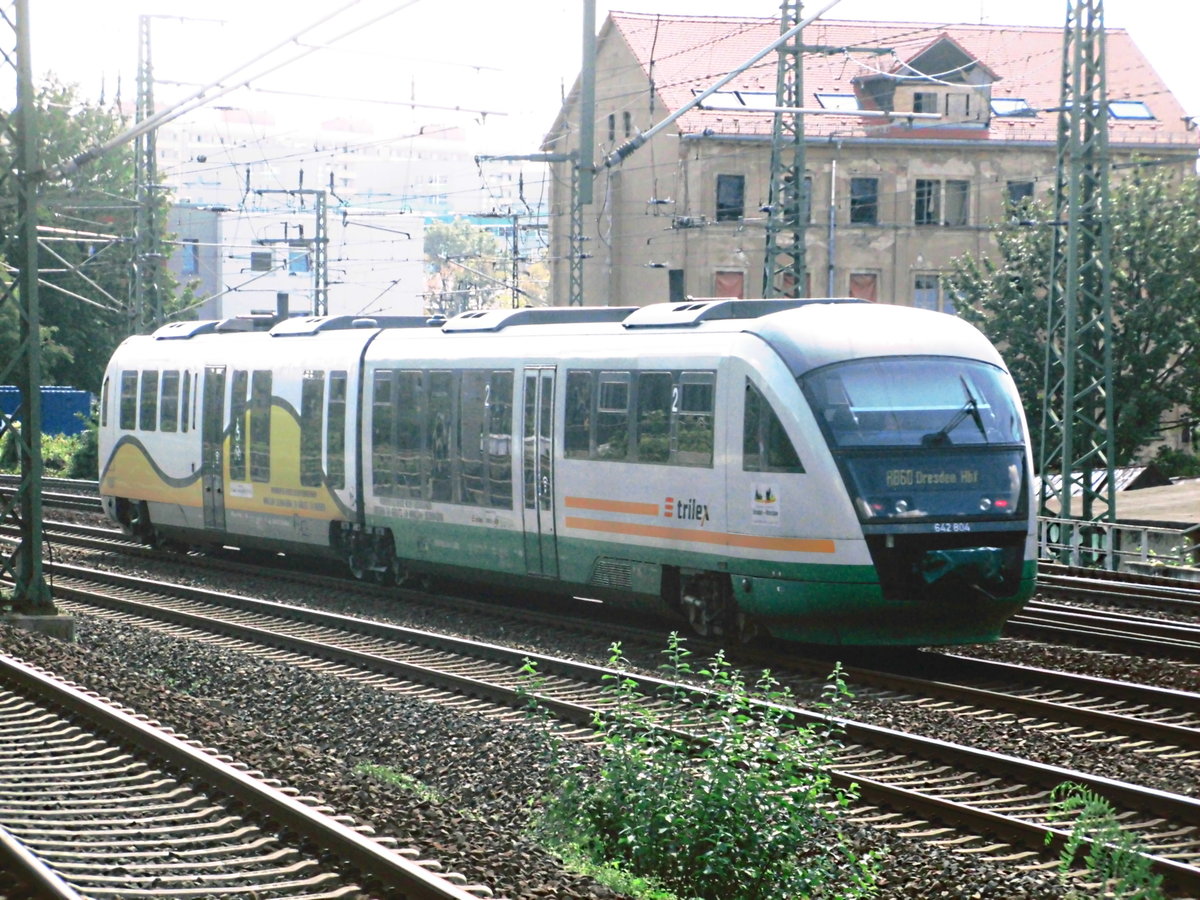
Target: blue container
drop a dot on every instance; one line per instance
(64, 410)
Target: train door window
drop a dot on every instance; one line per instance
(260, 426)
(765, 445)
(383, 434)
(499, 446)
(148, 415)
(529, 440)
(129, 400)
(612, 416)
(237, 425)
(185, 401)
(104, 404)
(336, 439)
(472, 437)
(409, 405)
(312, 412)
(577, 439)
(654, 398)
(440, 441)
(168, 409)
(692, 409)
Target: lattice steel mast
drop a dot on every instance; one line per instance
(785, 266)
(1077, 425)
(19, 136)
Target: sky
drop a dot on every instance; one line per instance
(497, 68)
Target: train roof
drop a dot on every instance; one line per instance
(806, 333)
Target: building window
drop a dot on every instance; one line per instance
(933, 196)
(925, 102)
(298, 260)
(864, 286)
(958, 197)
(730, 284)
(675, 289)
(612, 127)
(190, 264)
(1018, 194)
(731, 197)
(261, 261)
(864, 201)
(928, 294)
(628, 117)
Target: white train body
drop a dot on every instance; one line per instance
(690, 456)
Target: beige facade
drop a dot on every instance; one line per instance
(895, 197)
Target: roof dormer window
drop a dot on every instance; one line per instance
(1129, 109)
(925, 102)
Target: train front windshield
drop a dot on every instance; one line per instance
(923, 438)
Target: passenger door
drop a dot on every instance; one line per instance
(541, 544)
(212, 469)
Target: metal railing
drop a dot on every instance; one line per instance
(1115, 546)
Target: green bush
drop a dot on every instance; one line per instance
(63, 455)
(740, 807)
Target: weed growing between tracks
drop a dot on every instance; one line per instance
(1113, 856)
(717, 794)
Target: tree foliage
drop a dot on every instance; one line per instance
(84, 255)
(462, 261)
(1155, 297)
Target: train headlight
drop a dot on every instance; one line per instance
(985, 503)
(901, 507)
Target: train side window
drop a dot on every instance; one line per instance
(577, 439)
(104, 403)
(440, 438)
(237, 425)
(168, 410)
(129, 400)
(260, 425)
(612, 416)
(336, 439)
(148, 416)
(765, 444)
(692, 408)
(185, 401)
(312, 424)
(654, 401)
(383, 434)
(472, 437)
(499, 440)
(409, 407)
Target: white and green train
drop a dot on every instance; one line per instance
(828, 471)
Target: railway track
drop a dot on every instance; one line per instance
(917, 777)
(1166, 717)
(96, 802)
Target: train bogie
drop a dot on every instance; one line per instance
(829, 472)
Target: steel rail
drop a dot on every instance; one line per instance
(508, 689)
(403, 878)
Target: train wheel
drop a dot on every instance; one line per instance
(707, 602)
(134, 516)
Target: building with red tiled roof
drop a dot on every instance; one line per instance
(896, 193)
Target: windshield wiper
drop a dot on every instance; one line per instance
(941, 437)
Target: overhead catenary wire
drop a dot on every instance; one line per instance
(203, 95)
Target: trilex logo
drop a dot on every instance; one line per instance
(689, 510)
